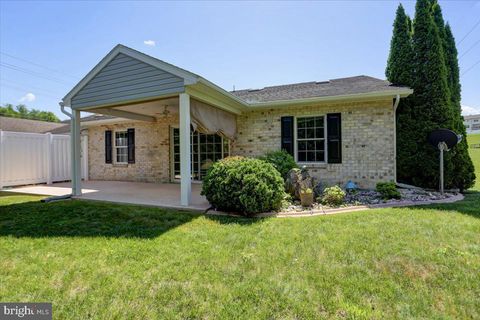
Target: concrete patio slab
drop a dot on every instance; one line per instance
(165, 195)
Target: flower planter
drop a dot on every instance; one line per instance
(306, 199)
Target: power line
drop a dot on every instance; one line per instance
(25, 90)
(470, 68)
(8, 81)
(468, 50)
(39, 65)
(33, 73)
(470, 31)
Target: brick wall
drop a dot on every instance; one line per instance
(367, 144)
(367, 139)
(152, 152)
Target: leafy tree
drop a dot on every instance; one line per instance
(21, 111)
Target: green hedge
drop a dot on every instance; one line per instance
(281, 160)
(388, 190)
(243, 185)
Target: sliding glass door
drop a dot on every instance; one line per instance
(205, 150)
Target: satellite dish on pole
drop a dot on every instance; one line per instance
(444, 140)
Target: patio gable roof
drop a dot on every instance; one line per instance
(126, 75)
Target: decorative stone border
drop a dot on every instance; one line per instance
(319, 212)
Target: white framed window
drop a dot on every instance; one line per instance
(121, 147)
(310, 139)
(205, 150)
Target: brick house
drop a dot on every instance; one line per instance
(159, 123)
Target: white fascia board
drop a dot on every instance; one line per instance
(359, 96)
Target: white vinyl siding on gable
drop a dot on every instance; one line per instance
(310, 139)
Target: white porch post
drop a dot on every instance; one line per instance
(185, 157)
(75, 145)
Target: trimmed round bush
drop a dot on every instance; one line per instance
(388, 190)
(333, 196)
(281, 160)
(244, 185)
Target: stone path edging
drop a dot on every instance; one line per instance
(317, 212)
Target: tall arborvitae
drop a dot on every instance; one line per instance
(399, 71)
(464, 171)
(431, 108)
(462, 175)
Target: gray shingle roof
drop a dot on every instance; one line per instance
(335, 87)
(27, 125)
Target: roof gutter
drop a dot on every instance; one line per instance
(378, 94)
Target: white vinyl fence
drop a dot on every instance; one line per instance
(29, 158)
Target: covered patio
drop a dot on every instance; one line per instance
(151, 194)
(131, 85)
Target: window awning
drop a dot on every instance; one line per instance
(209, 120)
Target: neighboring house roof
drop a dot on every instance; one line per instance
(305, 90)
(473, 116)
(27, 125)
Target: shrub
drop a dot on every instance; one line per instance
(281, 160)
(388, 190)
(333, 196)
(243, 185)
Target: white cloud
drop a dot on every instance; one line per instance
(29, 97)
(466, 110)
(150, 43)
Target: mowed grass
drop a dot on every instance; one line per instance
(475, 155)
(103, 261)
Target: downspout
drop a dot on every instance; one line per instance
(395, 106)
(72, 141)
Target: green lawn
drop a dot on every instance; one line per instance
(475, 154)
(103, 261)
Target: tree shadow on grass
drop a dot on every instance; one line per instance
(470, 205)
(75, 218)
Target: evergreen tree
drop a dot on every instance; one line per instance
(464, 171)
(463, 174)
(399, 71)
(431, 108)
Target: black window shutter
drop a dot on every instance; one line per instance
(131, 145)
(108, 146)
(287, 134)
(334, 137)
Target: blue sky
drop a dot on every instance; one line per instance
(47, 47)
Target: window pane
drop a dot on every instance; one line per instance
(311, 145)
(319, 133)
(320, 145)
(320, 156)
(301, 133)
(310, 156)
(310, 134)
(302, 145)
(121, 139)
(301, 123)
(310, 122)
(319, 122)
(302, 156)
